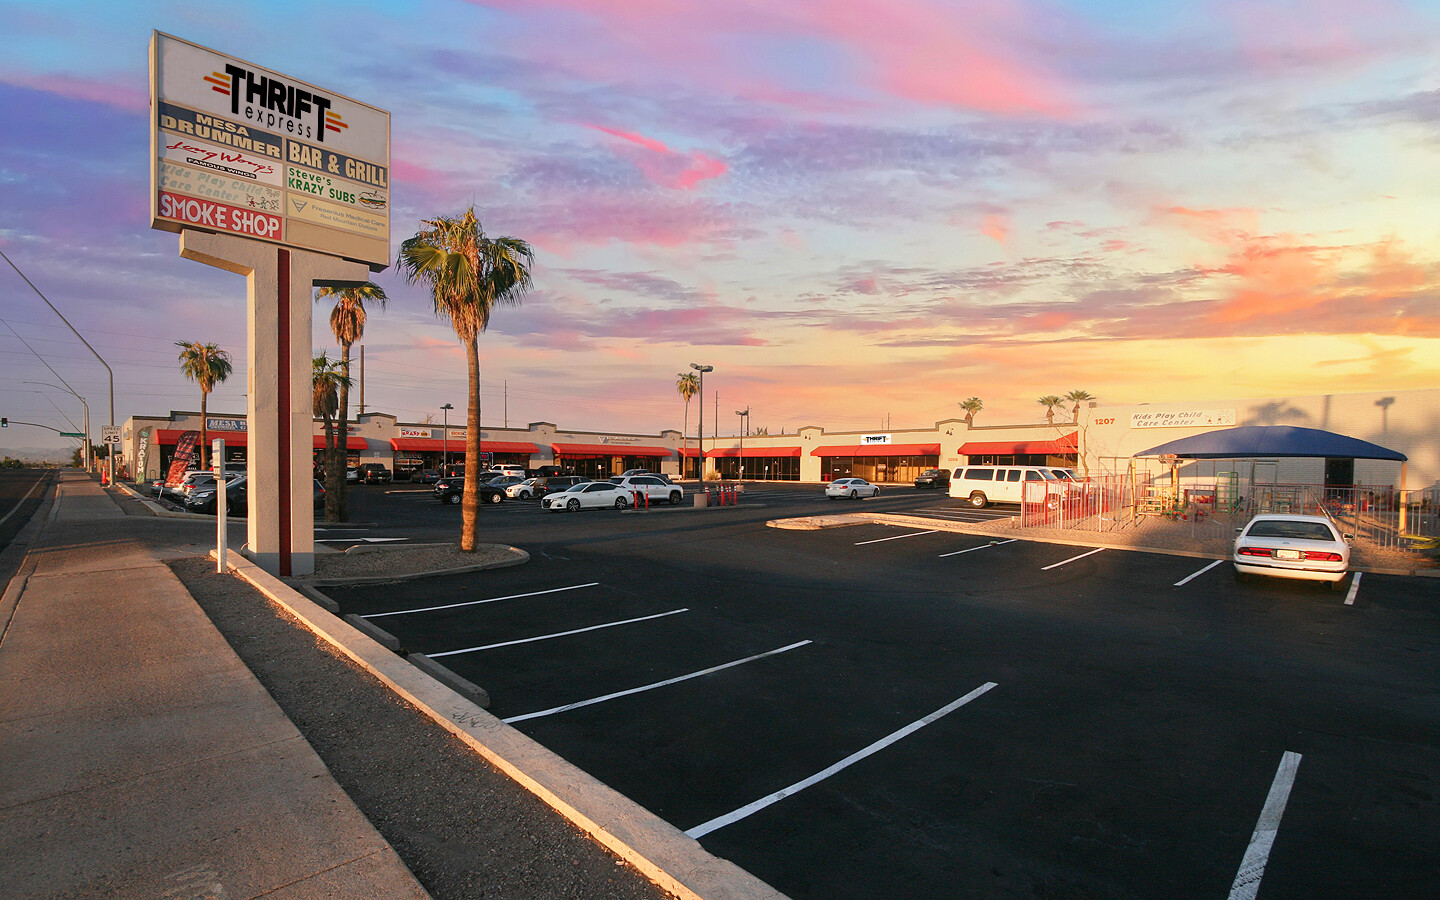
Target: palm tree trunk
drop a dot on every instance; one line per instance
(685, 437)
(204, 433)
(337, 452)
(470, 500)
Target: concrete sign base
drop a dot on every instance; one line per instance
(280, 282)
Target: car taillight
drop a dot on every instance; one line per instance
(1322, 555)
(1255, 551)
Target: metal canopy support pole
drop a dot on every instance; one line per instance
(280, 282)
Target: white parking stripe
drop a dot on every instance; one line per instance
(402, 612)
(650, 687)
(1188, 578)
(1252, 867)
(981, 547)
(895, 538)
(746, 810)
(1071, 559)
(546, 637)
(1354, 589)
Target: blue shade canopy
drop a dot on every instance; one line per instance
(1249, 441)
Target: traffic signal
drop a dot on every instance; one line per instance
(4, 423)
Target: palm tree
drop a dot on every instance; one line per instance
(1050, 401)
(688, 384)
(972, 408)
(468, 274)
(206, 365)
(347, 321)
(1077, 397)
(326, 384)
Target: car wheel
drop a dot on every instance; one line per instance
(675, 497)
(1052, 502)
(495, 498)
(1337, 586)
(854, 495)
(524, 495)
(620, 503)
(453, 499)
(573, 505)
(978, 500)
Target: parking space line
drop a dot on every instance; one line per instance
(895, 538)
(1188, 578)
(546, 637)
(1354, 589)
(402, 612)
(1071, 559)
(1252, 867)
(981, 547)
(650, 687)
(730, 818)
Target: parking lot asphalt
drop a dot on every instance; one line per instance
(845, 711)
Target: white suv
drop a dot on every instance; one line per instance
(652, 486)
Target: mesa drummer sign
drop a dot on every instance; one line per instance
(240, 149)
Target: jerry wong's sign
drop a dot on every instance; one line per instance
(244, 150)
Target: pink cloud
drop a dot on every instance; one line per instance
(111, 92)
(664, 166)
(997, 228)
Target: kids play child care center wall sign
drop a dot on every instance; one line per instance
(242, 150)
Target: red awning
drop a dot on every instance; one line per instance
(878, 450)
(171, 436)
(752, 452)
(1058, 447)
(438, 445)
(353, 443)
(688, 452)
(609, 450)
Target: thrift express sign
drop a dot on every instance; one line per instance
(244, 150)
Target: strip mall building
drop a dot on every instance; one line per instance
(1096, 439)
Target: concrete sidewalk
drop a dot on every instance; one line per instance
(141, 758)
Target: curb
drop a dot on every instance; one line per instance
(519, 558)
(663, 853)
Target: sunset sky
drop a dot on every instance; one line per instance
(860, 212)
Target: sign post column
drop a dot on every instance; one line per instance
(280, 281)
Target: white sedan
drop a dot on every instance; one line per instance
(854, 488)
(586, 495)
(521, 490)
(1292, 546)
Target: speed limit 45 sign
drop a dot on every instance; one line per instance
(110, 434)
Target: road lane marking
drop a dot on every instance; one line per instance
(730, 818)
(1354, 589)
(1252, 867)
(358, 540)
(650, 687)
(895, 538)
(1188, 578)
(402, 612)
(546, 637)
(1071, 559)
(981, 547)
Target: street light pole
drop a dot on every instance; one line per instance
(85, 445)
(445, 411)
(743, 414)
(700, 442)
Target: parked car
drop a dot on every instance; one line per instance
(653, 486)
(202, 499)
(628, 472)
(547, 471)
(523, 490)
(552, 483)
(452, 490)
(509, 469)
(983, 485)
(933, 478)
(586, 495)
(425, 476)
(352, 474)
(375, 473)
(176, 492)
(1282, 545)
(854, 488)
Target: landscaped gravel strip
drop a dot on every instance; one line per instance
(465, 829)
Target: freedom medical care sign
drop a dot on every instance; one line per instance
(243, 150)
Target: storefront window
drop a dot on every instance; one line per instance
(760, 468)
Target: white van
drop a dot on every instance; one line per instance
(983, 485)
